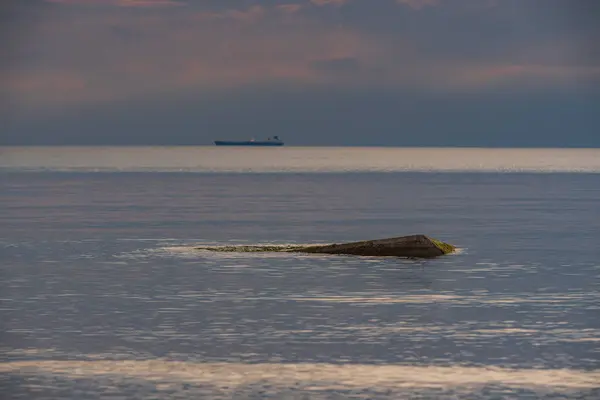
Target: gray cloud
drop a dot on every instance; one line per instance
(460, 72)
(337, 66)
(329, 117)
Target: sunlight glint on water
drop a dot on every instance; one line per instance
(104, 294)
(297, 159)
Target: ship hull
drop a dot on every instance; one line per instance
(246, 143)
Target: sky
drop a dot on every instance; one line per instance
(485, 73)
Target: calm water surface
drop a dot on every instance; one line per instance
(103, 294)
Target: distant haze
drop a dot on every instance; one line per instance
(487, 73)
(216, 159)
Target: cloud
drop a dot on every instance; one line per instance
(118, 54)
(121, 3)
(473, 4)
(522, 77)
(337, 66)
(418, 4)
(329, 2)
(251, 14)
(113, 57)
(289, 8)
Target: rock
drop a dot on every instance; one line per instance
(414, 246)
(419, 246)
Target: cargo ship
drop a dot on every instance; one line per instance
(274, 141)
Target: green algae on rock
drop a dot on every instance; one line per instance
(445, 247)
(414, 246)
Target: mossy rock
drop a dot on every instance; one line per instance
(414, 246)
(445, 247)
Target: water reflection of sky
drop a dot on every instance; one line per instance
(115, 299)
(297, 159)
(176, 379)
(178, 302)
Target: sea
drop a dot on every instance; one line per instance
(104, 294)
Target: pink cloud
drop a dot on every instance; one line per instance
(121, 3)
(252, 14)
(289, 8)
(327, 2)
(418, 4)
(479, 77)
(52, 89)
(162, 55)
(83, 62)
